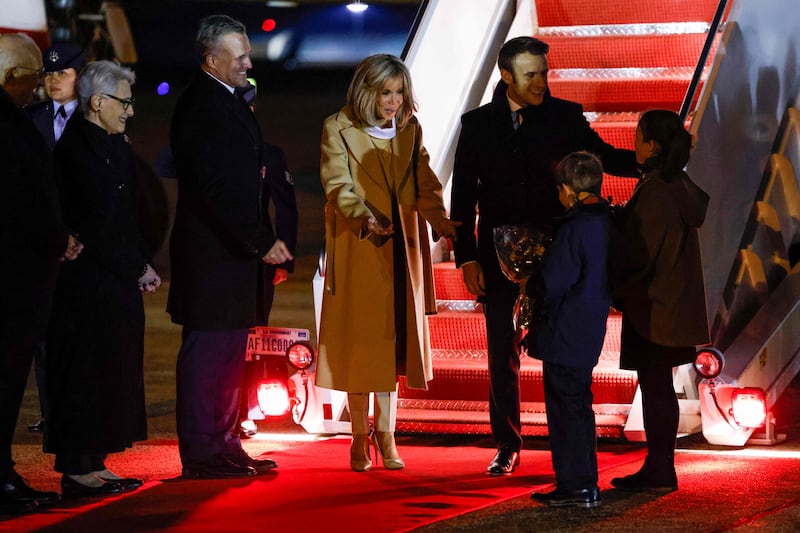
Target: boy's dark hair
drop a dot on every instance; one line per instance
(582, 171)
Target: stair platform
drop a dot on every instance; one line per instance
(457, 398)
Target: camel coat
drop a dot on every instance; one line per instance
(357, 329)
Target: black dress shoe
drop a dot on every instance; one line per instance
(127, 483)
(644, 480)
(504, 463)
(74, 489)
(569, 498)
(38, 427)
(16, 491)
(16, 507)
(261, 466)
(218, 467)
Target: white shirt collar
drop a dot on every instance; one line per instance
(230, 89)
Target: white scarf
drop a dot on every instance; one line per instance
(382, 133)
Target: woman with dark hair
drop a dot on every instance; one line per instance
(661, 291)
(381, 194)
(95, 346)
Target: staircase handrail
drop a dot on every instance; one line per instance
(698, 71)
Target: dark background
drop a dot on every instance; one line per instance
(292, 99)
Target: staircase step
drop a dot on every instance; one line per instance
(468, 380)
(461, 417)
(623, 51)
(586, 12)
(449, 283)
(457, 330)
(622, 89)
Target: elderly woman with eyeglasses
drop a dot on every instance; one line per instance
(95, 344)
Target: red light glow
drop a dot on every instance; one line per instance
(273, 399)
(749, 407)
(268, 25)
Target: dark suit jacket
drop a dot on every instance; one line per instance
(221, 231)
(32, 235)
(41, 114)
(278, 191)
(508, 175)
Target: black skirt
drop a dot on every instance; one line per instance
(637, 353)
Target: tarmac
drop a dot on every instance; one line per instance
(751, 488)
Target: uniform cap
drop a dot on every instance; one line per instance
(62, 56)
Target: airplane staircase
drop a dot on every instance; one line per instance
(617, 59)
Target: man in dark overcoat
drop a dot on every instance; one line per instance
(219, 240)
(33, 239)
(504, 169)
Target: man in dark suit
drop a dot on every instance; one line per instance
(62, 62)
(219, 240)
(504, 169)
(33, 240)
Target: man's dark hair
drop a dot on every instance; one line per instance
(517, 46)
(212, 29)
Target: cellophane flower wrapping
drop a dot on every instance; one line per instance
(520, 249)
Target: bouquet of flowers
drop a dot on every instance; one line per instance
(520, 249)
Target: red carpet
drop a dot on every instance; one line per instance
(313, 490)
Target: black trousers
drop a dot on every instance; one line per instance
(71, 464)
(571, 425)
(209, 380)
(504, 394)
(659, 409)
(16, 356)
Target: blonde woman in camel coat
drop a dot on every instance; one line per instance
(378, 279)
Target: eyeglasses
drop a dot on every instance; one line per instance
(38, 71)
(126, 102)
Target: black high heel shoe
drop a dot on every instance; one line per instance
(74, 489)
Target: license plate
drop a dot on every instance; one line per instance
(263, 341)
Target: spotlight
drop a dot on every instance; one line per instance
(273, 398)
(729, 413)
(357, 6)
(300, 355)
(749, 407)
(709, 362)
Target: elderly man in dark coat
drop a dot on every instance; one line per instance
(33, 239)
(220, 238)
(504, 165)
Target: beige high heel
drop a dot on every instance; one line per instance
(359, 453)
(387, 450)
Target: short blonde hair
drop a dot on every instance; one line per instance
(371, 74)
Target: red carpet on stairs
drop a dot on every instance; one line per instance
(312, 490)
